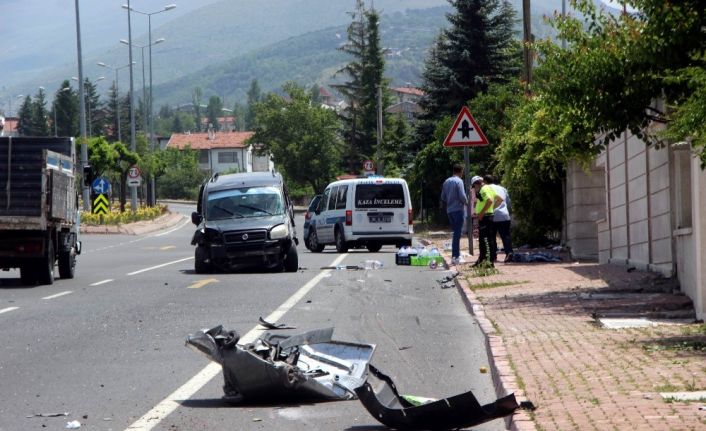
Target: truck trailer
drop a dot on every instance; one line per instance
(39, 214)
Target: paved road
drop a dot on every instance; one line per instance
(108, 346)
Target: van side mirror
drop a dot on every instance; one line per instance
(196, 218)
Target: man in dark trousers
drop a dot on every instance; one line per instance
(453, 197)
(486, 201)
(501, 215)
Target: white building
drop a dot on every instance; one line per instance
(221, 152)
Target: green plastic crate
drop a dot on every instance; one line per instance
(424, 260)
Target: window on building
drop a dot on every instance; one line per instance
(203, 156)
(227, 157)
(682, 184)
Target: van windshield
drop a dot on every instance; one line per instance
(379, 196)
(244, 202)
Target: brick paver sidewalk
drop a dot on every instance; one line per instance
(548, 348)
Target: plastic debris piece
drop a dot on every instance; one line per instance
(256, 420)
(269, 325)
(73, 425)
(372, 264)
(47, 415)
(380, 397)
(483, 370)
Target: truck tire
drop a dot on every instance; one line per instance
(291, 261)
(67, 263)
(45, 267)
(200, 264)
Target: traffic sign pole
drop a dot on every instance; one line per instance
(469, 210)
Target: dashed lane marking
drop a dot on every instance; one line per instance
(153, 417)
(159, 266)
(167, 247)
(201, 283)
(5, 310)
(98, 283)
(68, 292)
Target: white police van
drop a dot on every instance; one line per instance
(369, 212)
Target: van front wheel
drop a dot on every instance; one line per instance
(341, 245)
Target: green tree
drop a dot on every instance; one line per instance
(239, 112)
(301, 137)
(96, 118)
(352, 88)
(39, 120)
(214, 110)
(24, 122)
(196, 96)
(65, 111)
(182, 178)
(254, 96)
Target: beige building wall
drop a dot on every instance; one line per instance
(585, 205)
(653, 212)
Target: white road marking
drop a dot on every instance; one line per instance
(153, 417)
(160, 266)
(173, 230)
(5, 310)
(68, 292)
(98, 283)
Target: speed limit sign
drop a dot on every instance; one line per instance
(134, 176)
(369, 166)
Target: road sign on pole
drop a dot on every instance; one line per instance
(134, 177)
(101, 186)
(100, 204)
(465, 132)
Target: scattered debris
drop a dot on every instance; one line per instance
(483, 370)
(256, 420)
(47, 415)
(380, 397)
(73, 425)
(631, 269)
(342, 267)
(273, 326)
(528, 405)
(533, 257)
(448, 281)
(305, 365)
(405, 348)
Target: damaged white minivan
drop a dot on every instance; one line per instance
(365, 212)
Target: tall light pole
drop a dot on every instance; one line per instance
(82, 109)
(117, 93)
(133, 145)
(145, 102)
(88, 108)
(150, 108)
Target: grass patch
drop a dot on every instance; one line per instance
(681, 346)
(484, 285)
(484, 269)
(669, 387)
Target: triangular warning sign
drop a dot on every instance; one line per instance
(465, 132)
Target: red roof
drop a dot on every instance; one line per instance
(409, 90)
(11, 124)
(200, 141)
(226, 119)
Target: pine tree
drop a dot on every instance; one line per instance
(474, 51)
(112, 112)
(254, 96)
(213, 111)
(24, 122)
(65, 111)
(95, 113)
(39, 123)
(196, 96)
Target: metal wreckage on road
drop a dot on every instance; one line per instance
(313, 366)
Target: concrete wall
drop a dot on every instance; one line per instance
(585, 205)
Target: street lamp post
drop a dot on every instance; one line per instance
(117, 93)
(151, 110)
(145, 102)
(133, 145)
(82, 108)
(88, 108)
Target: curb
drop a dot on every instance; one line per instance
(504, 378)
(138, 228)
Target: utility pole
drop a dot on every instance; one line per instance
(378, 151)
(526, 40)
(133, 145)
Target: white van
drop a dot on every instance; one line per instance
(368, 212)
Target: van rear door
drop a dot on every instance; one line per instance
(381, 208)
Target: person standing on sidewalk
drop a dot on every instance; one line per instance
(486, 201)
(453, 197)
(502, 215)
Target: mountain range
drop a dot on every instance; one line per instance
(219, 46)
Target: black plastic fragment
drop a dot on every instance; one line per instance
(380, 397)
(274, 326)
